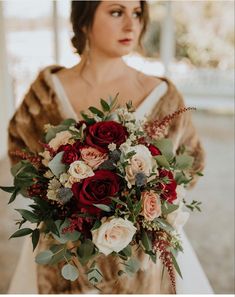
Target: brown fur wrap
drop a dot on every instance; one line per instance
(39, 107)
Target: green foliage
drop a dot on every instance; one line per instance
(44, 257)
(35, 237)
(132, 266)
(86, 251)
(103, 207)
(193, 205)
(164, 225)
(166, 147)
(28, 215)
(176, 265)
(146, 241)
(183, 162)
(64, 237)
(168, 208)
(162, 161)
(94, 275)
(22, 232)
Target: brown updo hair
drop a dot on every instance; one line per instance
(82, 16)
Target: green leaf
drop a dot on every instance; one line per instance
(183, 162)
(176, 265)
(118, 201)
(28, 215)
(162, 161)
(35, 238)
(96, 225)
(85, 251)
(137, 208)
(164, 225)
(51, 227)
(44, 257)
(22, 232)
(69, 272)
(67, 236)
(104, 105)
(13, 196)
(56, 166)
(132, 266)
(8, 189)
(127, 251)
(103, 207)
(166, 147)
(96, 111)
(168, 208)
(181, 178)
(51, 133)
(146, 241)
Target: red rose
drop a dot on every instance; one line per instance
(96, 190)
(168, 189)
(154, 150)
(101, 134)
(71, 152)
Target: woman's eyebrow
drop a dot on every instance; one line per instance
(122, 6)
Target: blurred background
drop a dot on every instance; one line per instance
(191, 42)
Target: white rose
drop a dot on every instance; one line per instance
(142, 161)
(113, 235)
(178, 218)
(80, 170)
(61, 138)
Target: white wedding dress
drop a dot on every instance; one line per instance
(194, 280)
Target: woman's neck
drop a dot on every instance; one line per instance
(98, 69)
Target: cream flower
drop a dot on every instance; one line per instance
(142, 161)
(113, 235)
(151, 205)
(61, 138)
(93, 157)
(53, 188)
(80, 170)
(178, 218)
(46, 158)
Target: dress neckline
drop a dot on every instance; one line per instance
(69, 109)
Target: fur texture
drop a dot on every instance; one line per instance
(40, 106)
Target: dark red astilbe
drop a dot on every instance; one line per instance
(33, 159)
(161, 245)
(48, 148)
(78, 223)
(157, 128)
(38, 190)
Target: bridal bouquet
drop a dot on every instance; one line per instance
(108, 184)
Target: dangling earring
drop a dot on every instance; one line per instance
(87, 50)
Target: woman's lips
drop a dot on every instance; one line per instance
(125, 41)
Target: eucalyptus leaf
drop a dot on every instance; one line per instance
(132, 266)
(163, 224)
(44, 257)
(70, 272)
(67, 236)
(96, 225)
(56, 166)
(85, 251)
(96, 111)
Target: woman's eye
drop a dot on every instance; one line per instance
(137, 14)
(116, 13)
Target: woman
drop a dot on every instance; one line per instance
(104, 31)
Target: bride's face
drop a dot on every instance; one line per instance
(116, 27)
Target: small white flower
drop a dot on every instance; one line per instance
(112, 146)
(124, 147)
(130, 127)
(80, 170)
(53, 188)
(132, 137)
(113, 235)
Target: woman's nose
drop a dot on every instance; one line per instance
(128, 23)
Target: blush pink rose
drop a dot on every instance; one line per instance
(93, 157)
(151, 205)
